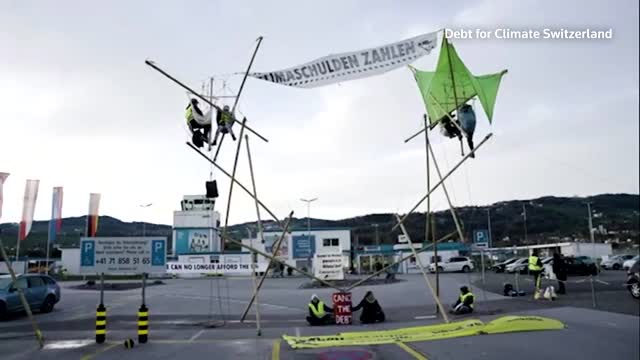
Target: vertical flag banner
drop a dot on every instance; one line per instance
(55, 224)
(3, 177)
(28, 208)
(92, 219)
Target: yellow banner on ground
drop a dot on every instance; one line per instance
(521, 323)
(426, 333)
(419, 333)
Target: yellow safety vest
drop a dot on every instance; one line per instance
(188, 114)
(463, 297)
(225, 117)
(319, 312)
(533, 263)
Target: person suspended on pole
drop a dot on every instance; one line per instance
(225, 120)
(466, 121)
(199, 123)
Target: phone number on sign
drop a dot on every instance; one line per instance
(123, 261)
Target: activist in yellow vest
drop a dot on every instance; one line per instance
(188, 114)
(225, 118)
(317, 311)
(533, 263)
(467, 299)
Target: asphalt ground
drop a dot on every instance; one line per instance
(200, 318)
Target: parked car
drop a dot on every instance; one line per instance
(456, 263)
(41, 292)
(629, 263)
(521, 265)
(581, 265)
(633, 280)
(500, 267)
(615, 262)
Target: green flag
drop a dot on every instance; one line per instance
(452, 84)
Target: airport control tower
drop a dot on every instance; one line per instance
(195, 225)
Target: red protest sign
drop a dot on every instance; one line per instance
(342, 308)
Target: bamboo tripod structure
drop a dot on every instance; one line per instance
(259, 204)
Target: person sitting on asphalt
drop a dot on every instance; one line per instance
(371, 309)
(464, 305)
(319, 313)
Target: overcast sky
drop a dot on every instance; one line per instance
(80, 109)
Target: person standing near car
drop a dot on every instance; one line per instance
(535, 269)
(560, 269)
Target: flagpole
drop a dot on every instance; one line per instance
(18, 249)
(46, 261)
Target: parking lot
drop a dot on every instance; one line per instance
(198, 317)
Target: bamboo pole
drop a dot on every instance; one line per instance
(274, 252)
(424, 273)
(446, 193)
(275, 218)
(154, 66)
(425, 248)
(254, 260)
(233, 177)
(426, 152)
(244, 79)
(237, 97)
(255, 191)
(215, 157)
(259, 235)
(23, 300)
(442, 180)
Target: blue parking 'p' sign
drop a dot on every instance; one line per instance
(88, 253)
(158, 254)
(481, 237)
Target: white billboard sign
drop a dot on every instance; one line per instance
(123, 255)
(329, 266)
(213, 268)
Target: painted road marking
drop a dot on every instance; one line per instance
(67, 344)
(196, 335)
(422, 317)
(275, 350)
(416, 354)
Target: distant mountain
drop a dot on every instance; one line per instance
(615, 216)
(72, 229)
(548, 219)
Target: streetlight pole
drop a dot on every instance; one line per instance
(309, 218)
(489, 227)
(144, 228)
(591, 236)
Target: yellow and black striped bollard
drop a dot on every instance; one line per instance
(101, 324)
(143, 324)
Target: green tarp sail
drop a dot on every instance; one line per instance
(452, 84)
